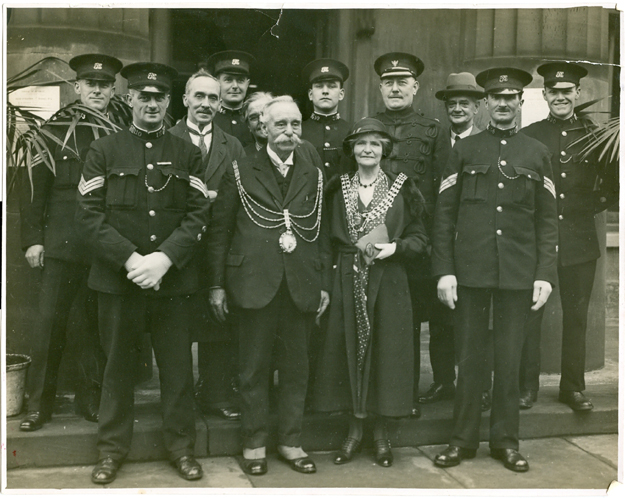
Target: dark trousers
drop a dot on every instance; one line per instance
(64, 284)
(123, 321)
(279, 323)
(576, 284)
(217, 367)
(510, 309)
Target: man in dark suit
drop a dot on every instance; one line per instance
(51, 242)
(462, 101)
(584, 186)
(269, 254)
(232, 69)
(216, 347)
(143, 206)
(494, 239)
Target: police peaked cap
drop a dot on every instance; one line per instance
(325, 69)
(561, 74)
(230, 61)
(506, 80)
(142, 74)
(398, 64)
(95, 67)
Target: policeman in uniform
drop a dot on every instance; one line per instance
(232, 69)
(216, 348)
(143, 206)
(51, 242)
(578, 201)
(461, 97)
(420, 151)
(495, 236)
(325, 128)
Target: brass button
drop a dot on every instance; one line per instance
(234, 121)
(561, 196)
(503, 163)
(150, 189)
(472, 171)
(152, 212)
(563, 175)
(199, 236)
(560, 217)
(152, 238)
(122, 174)
(64, 157)
(327, 144)
(148, 145)
(503, 142)
(564, 133)
(563, 153)
(204, 228)
(499, 209)
(150, 166)
(327, 128)
(499, 232)
(500, 185)
(327, 164)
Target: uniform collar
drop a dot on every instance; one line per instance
(552, 119)
(228, 110)
(399, 114)
(501, 133)
(325, 117)
(146, 135)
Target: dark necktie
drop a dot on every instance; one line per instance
(202, 144)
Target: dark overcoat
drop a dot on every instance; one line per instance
(387, 376)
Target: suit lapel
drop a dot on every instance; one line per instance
(216, 154)
(299, 179)
(265, 177)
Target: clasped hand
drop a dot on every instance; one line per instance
(386, 250)
(148, 271)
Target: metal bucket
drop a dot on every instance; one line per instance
(17, 366)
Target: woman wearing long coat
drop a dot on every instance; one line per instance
(367, 361)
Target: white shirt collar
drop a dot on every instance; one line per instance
(207, 129)
(276, 160)
(464, 134)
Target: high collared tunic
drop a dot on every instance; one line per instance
(495, 224)
(143, 192)
(327, 133)
(232, 121)
(420, 152)
(584, 186)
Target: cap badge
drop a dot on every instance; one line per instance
(325, 69)
(236, 62)
(560, 74)
(394, 63)
(97, 65)
(503, 78)
(151, 76)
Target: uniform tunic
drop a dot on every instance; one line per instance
(142, 192)
(327, 133)
(584, 187)
(47, 210)
(495, 229)
(232, 121)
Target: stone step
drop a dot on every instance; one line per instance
(70, 440)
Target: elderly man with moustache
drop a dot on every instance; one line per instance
(585, 186)
(252, 110)
(494, 240)
(51, 242)
(232, 69)
(420, 151)
(269, 253)
(143, 206)
(216, 348)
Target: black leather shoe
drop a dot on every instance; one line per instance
(254, 467)
(438, 392)
(188, 468)
(105, 471)
(383, 454)
(305, 465)
(576, 400)
(89, 412)
(511, 459)
(487, 401)
(527, 399)
(230, 414)
(416, 411)
(453, 455)
(349, 448)
(33, 421)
